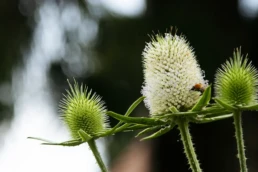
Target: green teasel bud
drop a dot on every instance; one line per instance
(82, 109)
(171, 72)
(236, 82)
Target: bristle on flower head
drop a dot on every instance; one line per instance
(170, 72)
(236, 82)
(83, 110)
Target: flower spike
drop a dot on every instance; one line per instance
(236, 83)
(170, 72)
(83, 110)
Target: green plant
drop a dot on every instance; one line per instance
(175, 93)
(236, 86)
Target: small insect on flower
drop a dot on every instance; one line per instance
(199, 87)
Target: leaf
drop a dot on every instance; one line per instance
(67, 143)
(204, 100)
(134, 105)
(207, 111)
(137, 126)
(122, 128)
(136, 120)
(213, 109)
(159, 133)
(173, 109)
(225, 105)
(130, 109)
(40, 139)
(147, 130)
(84, 136)
(178, 114)
(212, 119)
(215, 114)
(249, 107)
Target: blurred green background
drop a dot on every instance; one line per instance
(100, 43)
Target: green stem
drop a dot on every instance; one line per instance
(240, 141)
(188, 145)
(98, 158)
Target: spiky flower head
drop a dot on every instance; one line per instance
(82, 109)
(236, 82)
(170, 73)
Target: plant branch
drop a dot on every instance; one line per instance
(240, 141)
(96, 153)
(183, 127)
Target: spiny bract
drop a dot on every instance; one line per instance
(83, 110)
(170, 72)
(236, 81)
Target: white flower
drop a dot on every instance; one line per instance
(170, 73)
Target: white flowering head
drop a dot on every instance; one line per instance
(171, 73)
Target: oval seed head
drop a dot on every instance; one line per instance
(82, 109)
(170, 73)
(236, 81)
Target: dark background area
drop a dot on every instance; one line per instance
(213, 28)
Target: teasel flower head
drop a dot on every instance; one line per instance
(236, 82)
(171, 72)
(83, 109)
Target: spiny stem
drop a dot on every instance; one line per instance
(188, 145)
(240, 141)
(96, 153)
